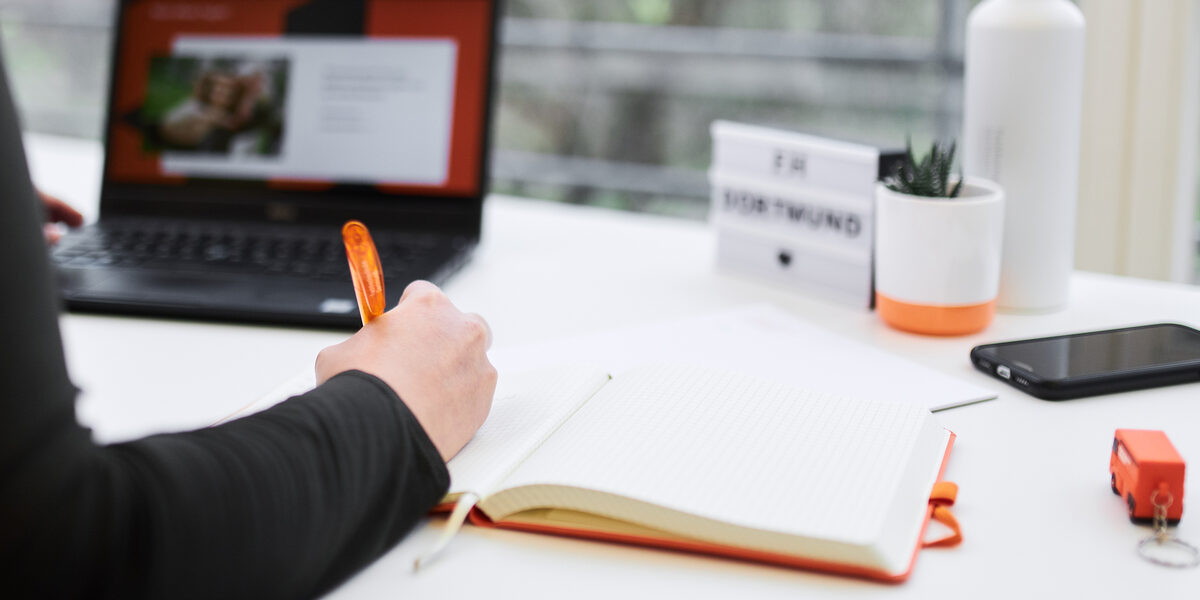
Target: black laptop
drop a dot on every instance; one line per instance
(242, 134)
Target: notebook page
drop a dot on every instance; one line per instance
(295, 385)
(738, 450)
(527, 408)
(763, 341)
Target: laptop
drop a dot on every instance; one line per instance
(241, 135)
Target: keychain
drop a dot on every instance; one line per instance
(1147, 472)
(1162, 548)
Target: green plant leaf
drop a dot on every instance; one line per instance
(928, 177)
(957, 186)
(943, 169)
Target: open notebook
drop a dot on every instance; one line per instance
(708, 461)
(702, 460)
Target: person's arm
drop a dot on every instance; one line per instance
(285, 503)
(281, 504)
(189, 123)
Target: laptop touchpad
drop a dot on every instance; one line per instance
(224, 290)
(184, 288)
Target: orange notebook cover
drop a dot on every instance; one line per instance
(699, 460)
(942, 496)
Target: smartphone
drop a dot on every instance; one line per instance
(1095, 362)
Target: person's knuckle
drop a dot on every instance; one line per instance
(429, 297)
(421, 288)
(476, 332)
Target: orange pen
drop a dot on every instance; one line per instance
(365, 270)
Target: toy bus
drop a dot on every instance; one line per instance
(1145, 469)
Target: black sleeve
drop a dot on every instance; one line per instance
(285, 503)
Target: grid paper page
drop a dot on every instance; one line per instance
(527, 409)
(760, 340)
(295, 385)
(738, 450)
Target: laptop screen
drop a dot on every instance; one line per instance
(304, 95)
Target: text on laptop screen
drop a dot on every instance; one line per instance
(296, 93)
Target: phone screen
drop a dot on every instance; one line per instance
(1084, 354)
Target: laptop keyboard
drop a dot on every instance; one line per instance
(313, 253)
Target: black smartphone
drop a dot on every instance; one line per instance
(1095, 362)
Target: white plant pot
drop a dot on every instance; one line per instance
(937, 260)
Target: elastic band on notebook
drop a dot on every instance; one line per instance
(458, 516)
(943, 497)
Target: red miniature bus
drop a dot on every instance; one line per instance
(1146, 469)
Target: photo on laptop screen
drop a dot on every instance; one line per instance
(229, 106)
(389, 93)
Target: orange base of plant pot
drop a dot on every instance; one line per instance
(935, 320)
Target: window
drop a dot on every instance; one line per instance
(56, 52)
(609, 102)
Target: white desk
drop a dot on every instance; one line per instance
(1035, 505)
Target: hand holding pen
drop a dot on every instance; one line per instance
(431, 354)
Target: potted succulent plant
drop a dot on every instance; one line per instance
(937, 247)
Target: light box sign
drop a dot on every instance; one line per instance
(796, 209)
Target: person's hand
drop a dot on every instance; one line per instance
(433, 356)
(58, 211)
(252, 92)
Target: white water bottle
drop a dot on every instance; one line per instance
(1024, 94)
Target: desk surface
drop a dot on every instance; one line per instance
(1035, 505)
